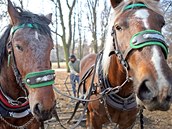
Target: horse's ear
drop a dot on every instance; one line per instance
(49, 17)
(115, 3)
(14, 14)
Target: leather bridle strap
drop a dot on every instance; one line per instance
(139, 40)
(33, 79)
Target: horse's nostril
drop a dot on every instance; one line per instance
(144, 92)
(37, 109)
(169, 98)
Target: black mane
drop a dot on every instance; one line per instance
(40, 20)
(3, 42)
(25, 17)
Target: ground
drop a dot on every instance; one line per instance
(152, 120)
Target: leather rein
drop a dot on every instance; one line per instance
(108, 93)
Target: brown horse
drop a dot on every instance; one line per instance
(133, 61)
(26, 93)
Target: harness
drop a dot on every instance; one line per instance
(139, 40)
(112, 98)
(19, 108)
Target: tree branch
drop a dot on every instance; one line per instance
(67, 2)
(57, 33)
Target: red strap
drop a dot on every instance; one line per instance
(5, 102)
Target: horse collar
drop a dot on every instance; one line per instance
(113, 99)
(9, 109)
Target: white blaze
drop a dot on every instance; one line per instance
(143, 15)
(36, 35)
(156, 60)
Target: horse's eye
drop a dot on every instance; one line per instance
(163, 24)
(119, 28)
(18, 47)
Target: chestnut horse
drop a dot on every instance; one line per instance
(26, 78)
(132, 67)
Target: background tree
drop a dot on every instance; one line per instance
(167, 29)
(92, 21)
(66, 40)
(73, 36)
(105, 16)
(56, 32)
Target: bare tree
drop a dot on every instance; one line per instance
(104, 22)
(66, 40)
(21, 3)
(80, 30)
(92, 18)
(3, 13)
(73, 38)
(56, 31)
(167, 29)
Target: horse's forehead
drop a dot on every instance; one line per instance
(142, 14)
(31, 36)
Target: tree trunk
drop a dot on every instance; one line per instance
(57, 47)
(67, 54)
(92, 18)
(73, 39)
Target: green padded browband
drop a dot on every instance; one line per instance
(39, 79)
(27, 25)
(131, 6)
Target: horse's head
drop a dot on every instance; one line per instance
(137, 30)
(29, 45)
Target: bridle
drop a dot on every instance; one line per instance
(19, 108)
(139, 40)
(33, 79)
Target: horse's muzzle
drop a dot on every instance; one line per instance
(152, 98)
(42, 115)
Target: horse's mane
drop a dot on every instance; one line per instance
(3, 41)
(151, 4)
(25, 17)
(41, 20)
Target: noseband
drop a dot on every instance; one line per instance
(139, 40)
(33, 79)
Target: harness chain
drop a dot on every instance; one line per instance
(89, 95)
(106, 91)
(141, 119)
(17, 127)
(122, 56)
(106, 109)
